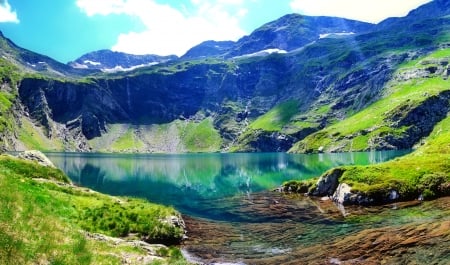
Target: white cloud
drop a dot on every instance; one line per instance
(101, 7)
(364, 10)
(6, 14)
(168, 30)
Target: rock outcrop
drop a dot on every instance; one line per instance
(328, 183)
(37, 156)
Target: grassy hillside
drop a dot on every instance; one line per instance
(276, 118)
(174, 137)
(425, 172)
(415, 84)
(43, 221)
(8, 79)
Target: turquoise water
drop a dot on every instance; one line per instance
(190, 181)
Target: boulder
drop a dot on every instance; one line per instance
(328, 182)
(342, 193)
(37, 156)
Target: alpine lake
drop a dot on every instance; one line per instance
(234, 215)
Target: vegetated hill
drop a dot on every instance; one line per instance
(413, 102)
(111, 61)
(423, 174)
(259, 102)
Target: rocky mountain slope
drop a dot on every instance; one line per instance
(111, 61)
(266, 92)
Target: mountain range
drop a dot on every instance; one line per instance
(299, 84)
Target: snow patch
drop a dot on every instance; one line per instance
(327, 35)
(119, 68)
(91, 62)
(79, 66)
(280, 28)
(262, 53)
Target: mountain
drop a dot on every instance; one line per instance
(286, 34)
(31, 62)
(111, 61)
(208, 49)
(294, 31)
(431, 10)
(286, 86)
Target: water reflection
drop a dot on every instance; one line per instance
(187, 181)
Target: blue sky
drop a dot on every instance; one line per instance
(66, 29)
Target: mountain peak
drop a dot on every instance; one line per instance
(113, 61)
(294, 31)
(433, 9)
(208, 49)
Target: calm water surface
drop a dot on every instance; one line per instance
(231, 215)
(187, 181)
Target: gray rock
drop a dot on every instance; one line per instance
(37, 156)
(328, 183)
(342, 193)
(393, 195)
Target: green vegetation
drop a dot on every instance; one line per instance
(127, 141)
(9, 76)
(276, 118)
(176, 136)
(40, 220)
(424, 172)
(121, 218)
(33, 138)
(201, 137)
(9, 73)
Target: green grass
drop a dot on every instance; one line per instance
(123, 217)
(276, 118)
(41, 222)
(5, 101)
(128, 141)
(200, 137)
(33, 139)
(9, 77)
(424, 172)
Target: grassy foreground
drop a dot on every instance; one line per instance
(44, 219)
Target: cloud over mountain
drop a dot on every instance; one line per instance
(169, 30)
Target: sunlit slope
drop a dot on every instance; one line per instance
(423, 174)
(413, 102)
